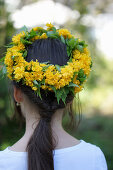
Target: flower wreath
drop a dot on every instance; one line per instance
(60, 79)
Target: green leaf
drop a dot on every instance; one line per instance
(35, 82)
(66, 89)
(74, 75)
(2, 59)
(91, 64)
(82, 79)
(59, 94)
(81, 73)
(82, 43)
(38, 93)
(43, 81)
(49, 33)
(76, 40)
(64, 94)
(46, 62)
(9, 45)
(54, 89)
(81, 76)
(13, 57)
(45, 68)
(70, 59)
(24, 53)
(26, 42)
(54, 29)
(71, 84)
(52, 34)
(62, 39)
(31, 34)
(71, 42)
(80, 48)
(58, 67)
(71, 89)
(3, 72)
(23, 82)
(69, 51)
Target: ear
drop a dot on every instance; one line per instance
(18, 95)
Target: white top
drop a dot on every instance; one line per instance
(83, 156)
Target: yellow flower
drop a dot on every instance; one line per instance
(21, 46)
(15, 51)
(19, 60)
(10, 70)
(17, 37)
(51, 75)
(27, 65)
(49, 88)
(76, 65)
(37, 76)
(34, 88)
(44, 87)
(86, 51)
(67, 74)
(28, 79)
(43, 36)
(76, 81)
(78, 89)
(42, 64)
(8, 60)
(49, 26)
(10, 77)
(60, 84)
(65, 33)
(36, 38)
(36, 66)
(37, 28)
(19, 72)
(76, 54)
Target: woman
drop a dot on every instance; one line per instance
(47, 68)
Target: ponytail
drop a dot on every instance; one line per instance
(40, 146)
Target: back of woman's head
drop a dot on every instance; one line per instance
(40, 146)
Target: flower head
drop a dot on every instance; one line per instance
(16, 38)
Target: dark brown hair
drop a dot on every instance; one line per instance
(42, 143)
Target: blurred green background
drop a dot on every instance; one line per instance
(89, 20)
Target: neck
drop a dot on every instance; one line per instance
(63, 139)
(32, 122)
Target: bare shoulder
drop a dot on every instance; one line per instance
(19, 146)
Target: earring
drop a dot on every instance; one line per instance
(18, 104)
